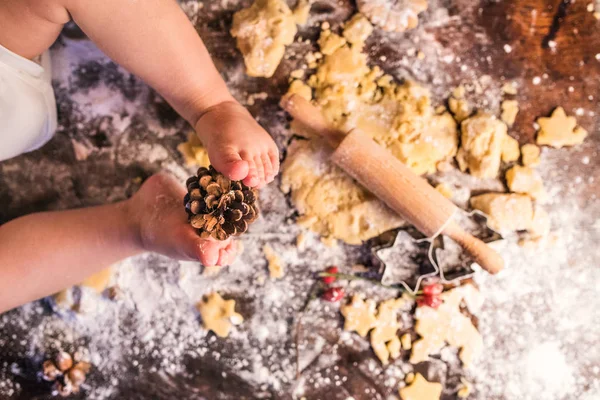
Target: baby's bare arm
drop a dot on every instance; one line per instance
(155, 40)
(152, 38)
(43, 253)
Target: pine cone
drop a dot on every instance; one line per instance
(66, 374)
(218, 207)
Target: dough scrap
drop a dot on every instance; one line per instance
(447, 324)
(458, 105)
(302, 11)
(384, 336)
(483, 137)
(300, 88)
(510, 109)
(394, 16)
(559, 130)
(530, 155)
(352, 95)
(262, 32)
(357, 29)
(510, 88)
(276, 268)
(445, 190)
(193, 152)
(506, 212)
(510, 149)
(540, 224)
(421, 389)
(525, 180)
(328, 200)
(99, 281)
(359, 315)
(362, 316)
(218, 315)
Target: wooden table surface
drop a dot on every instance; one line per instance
(509, 41)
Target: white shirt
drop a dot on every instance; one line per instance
(27, 104)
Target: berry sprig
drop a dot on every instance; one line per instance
(331, 294)
(430, 294)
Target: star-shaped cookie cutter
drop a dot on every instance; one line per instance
(412, 247)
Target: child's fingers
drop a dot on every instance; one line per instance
(260, 170)
(274, 157)
(252, 178)
(268, 168)
(231, 165)
(227, 255)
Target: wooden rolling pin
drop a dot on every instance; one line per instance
(391, 181)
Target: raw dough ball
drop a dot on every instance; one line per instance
(560, 130)
(506, 212)
(483, 137)
(530, 155)
(525, 180)
(393, 15)
(262, 31)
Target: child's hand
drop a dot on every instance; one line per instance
(237, 145)
(157, 211)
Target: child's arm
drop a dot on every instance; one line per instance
(43, 253)
(155, 40)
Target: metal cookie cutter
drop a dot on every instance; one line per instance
(406, 257)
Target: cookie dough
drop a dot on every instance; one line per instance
(560, 130)
(262, 32)
(447, 324)
(383, 324)
(458, 105)
(525, 180)
(276, 269)
(194, 154)
(218, 315)
(393, 15)
(530, 155)
(352, 95)
(421, 389)
(483, 137)
(328, 200)
(445, 190)
(359, 315)
(384, 336)
(510, 149)
(506, 212)
(510, 109)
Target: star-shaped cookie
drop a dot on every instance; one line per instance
(559, 130)
(218, 315)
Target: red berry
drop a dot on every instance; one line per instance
(328, 280)
(429, 301)
(333, 294)
(434, 289)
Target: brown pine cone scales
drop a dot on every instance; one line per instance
(67, 373)
(218, 207)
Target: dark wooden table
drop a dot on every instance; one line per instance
(509, 41)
